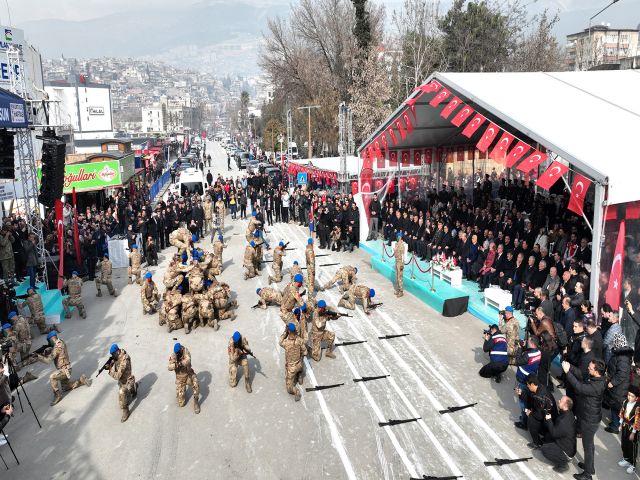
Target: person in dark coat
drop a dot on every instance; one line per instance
(560, 443)
(618, 379)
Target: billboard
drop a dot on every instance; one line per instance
(86, 177)
(9, 36)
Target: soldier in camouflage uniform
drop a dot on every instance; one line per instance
(220, 296)
(34, 302)
(257, 259)
(295, 270)
(362, 292)
(238, 348)
(206, 310)
(174, 274)
(180, 362)
(173, 303)
(23, 334)
(12, 338)
(60, 357)
(398, 253)
(120, 370)
(189, 311)
(319, 332)
(207, 206)
(346, 275)
(181, 239)
(268, 296)
(196, 277)
(218, 247)
(74, 287)
(278, 253)
(249, 260)
(215, 268)
(291, 298)
(149, 295)
(310, 257)
(252, 226)
(104, 278)
(135, 262)
(295, 350)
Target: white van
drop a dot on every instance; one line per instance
(293, 146)
(192, 181)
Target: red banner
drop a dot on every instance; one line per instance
(60, 230)
(407, 121)
(392, 134)
(440, 97)
(451, 106)
(411, 102)
(489, 134)
(428, 156)
(405, 158)
(432, 86)
(473, 125)
(579, 190)
(517, 153)
(464, 113)
(383, 143)
(551, 175)
(499, 152)
(417, 157)
(393, 158)
(615, 277)
(532, 161)
(76, 235)
(398, 124)
(460, 154)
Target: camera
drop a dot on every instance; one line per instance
(5, 347)
(486, 332)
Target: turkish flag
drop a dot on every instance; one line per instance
(413, 183)
(403, 184)
(411, 102)
(451, 106)
(579, 190)
(398, 124)
(405, 157)
(417, 157)
(460, 156)
(393, 158)
(392, 134)
(464, 113)
(354, 188)
(551, 176)
(499, 152)
(377, 149)
(407, 121)
(378, 184)
(383, 143)
(428, 156)
(615, 277)
(517, 153)
(440, 97)
(473, 125)
(60, 231)
(532, 161)
(371, 154)
(432, 86)
(489, 134)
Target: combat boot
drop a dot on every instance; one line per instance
(84, 380)
(125, 414)
(247, 385)
(135, 390)
(297, 395)
(196, 405)
(28, 377)
(99, 294)
(56, 398)
(330, 354)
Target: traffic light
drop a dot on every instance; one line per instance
(7, 150)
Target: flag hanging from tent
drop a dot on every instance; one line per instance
(551, 175)
(464, 113)
(432, 86)
(473, 125)
(532, 161)
(392, 134)
(440, 97)
(407, 121)
(489, 134)
(517, 153)
(499, 152)
(398, 124)
(615, 277)
(579, 190)
(451, 106)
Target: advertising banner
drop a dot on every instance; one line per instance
(86, 177)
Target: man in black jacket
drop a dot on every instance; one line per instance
(561, 435)
(538, 403)
(590, 392)
(374, 216)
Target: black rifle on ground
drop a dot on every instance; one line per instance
(40, 351)
(328, 264)
(323, 387)
(323, 255)
(367, 379)
(106, 366)
(455, 409)
(391, 423)
(431, 477)
(344, 344)
(335, 315)
(387, 337)
(373, 306)
(256, 305)
(506, 461)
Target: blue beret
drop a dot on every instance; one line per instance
(148, 275)
(508, 308)
(177, 347)
(322, 304)
(179, 287)
(74, 273)
(207, 283)
(291, 327)
(298, 278)
(52, 334)
(236, 336)
(256, 233)
(12, 314)
(7, 326)
(194, 238)
(398, 235)
(281, 244)
(220, 237)
(134, 246)
(303, 307)
(252, 243)
(258, 290)
(114, 348)
(296, 311)
(295, 262)
(253, 213)
(106, 255)
(309, 241)
(372, 293)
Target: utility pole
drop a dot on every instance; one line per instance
(308, 108)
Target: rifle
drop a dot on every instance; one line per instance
(367, 379)
(373, 306)
(387, 337)
(289, 249)
(328, 264)
(323, 387)
(344, 344)
(335, 315)
(247, 352)
(455, 409)
(322, 255)
(40, 351)
(266, 261)
(106, 366)
(431, 477)
(506, 461)
(256, 305)
(391, 423)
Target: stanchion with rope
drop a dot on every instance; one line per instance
(430, 269)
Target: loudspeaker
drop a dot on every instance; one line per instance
(455, 306)
(53, 157)
(7, 151)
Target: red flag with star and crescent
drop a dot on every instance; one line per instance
(432, 86)
(489, 134)
(464, 113)
(552, 174)
(398, 124)
(532, 161)
(499, 152)
(615, 277)
(383, 143)
(517, 153)
(406, 118)
(473, 125)
(440, 97)
(579, 190)
(392, 134)
(451, 106)
(411, 102)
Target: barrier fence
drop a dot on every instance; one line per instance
(156, 188)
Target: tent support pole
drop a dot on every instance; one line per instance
(597, 242)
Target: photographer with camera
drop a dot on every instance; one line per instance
(496, 344)
(561, 436)
(538, 404)
(527, 360)
(552, 341)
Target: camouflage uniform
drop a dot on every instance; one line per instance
(290, 299)
(249, 262)
(215, 268)
(120, 371)
(150, 296)
(319, 333)
(34, 302)
(74, 287)
(346, 275)
(22, 331)
(294, 270)
(278, 253)
(257, 259)
(220, 297)
(238, 358)
(173, 276)
(180, 239)
(189, 311)
(310, 257)
(134, 269)
(218, 248)
(220, 210)
(511, 329)
(268, 296)
(106, 270)
(252, 227)
(173, 302)
(60, 357)
(196, 278)
(398, 253)
(354, 293)
(205, 310)
(294, 351)
(207, 206)
(184, 376)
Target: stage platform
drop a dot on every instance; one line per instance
(420, 286)
(51, 300)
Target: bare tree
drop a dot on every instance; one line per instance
(538, 49)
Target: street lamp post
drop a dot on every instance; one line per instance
(308, 108)
(590, 20)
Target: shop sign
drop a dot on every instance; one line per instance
(90, 176)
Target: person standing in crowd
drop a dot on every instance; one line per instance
(629, 425)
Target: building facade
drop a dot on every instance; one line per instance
(600, 45)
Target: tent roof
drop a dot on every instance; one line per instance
(13, 112)
(590, 119)
(331, 164)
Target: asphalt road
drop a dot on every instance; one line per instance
(266, 434)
